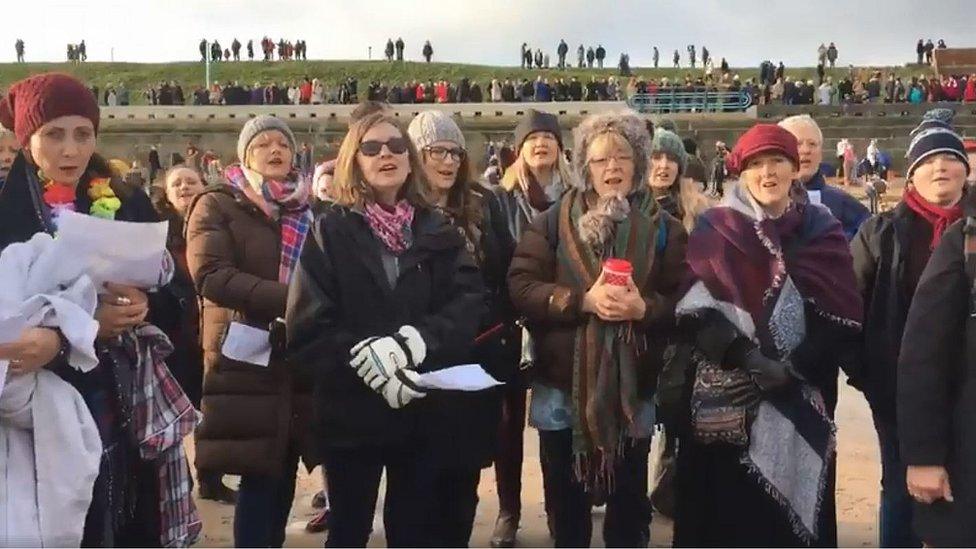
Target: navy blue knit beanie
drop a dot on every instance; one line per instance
(934, 136)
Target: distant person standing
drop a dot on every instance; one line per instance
(581, 56)
(590, 56)
(677, 59)
(657, 56)
(561, 51)
(601, 54)
(428, 51)
(399, 49)
(250, 50)
(388, 51)
(82, 52)
(235, 48)
(155, 166)
(920, 51)
(832, 54)
(203, 50)
(19, 47)
(692, 58)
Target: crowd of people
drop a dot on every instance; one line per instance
(602, 285)
(285, 49)
(876, 88)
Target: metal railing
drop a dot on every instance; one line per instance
(701, 100)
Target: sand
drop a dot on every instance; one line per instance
(858, 483)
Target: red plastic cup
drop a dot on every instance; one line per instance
(616, 272)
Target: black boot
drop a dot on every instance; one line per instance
(212, 487)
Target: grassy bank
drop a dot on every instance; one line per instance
(138, 76)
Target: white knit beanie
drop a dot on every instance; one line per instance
(430, 127)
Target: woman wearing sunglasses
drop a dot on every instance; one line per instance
(243, 240)
(385, 290)
(463, 425)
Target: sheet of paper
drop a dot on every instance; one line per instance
(11, 328)
(467, 377)
(246, 344)
(112, 251)
(815, 197)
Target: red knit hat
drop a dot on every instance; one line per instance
(37, 100)
(759, 139)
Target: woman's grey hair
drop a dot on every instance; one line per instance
(629, 126)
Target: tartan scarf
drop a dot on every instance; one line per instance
(284, 201)
(391, 227)
(162, 416)
(606, 358)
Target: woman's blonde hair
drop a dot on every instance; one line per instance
(518, 175)
(691, 201)
(349, 187)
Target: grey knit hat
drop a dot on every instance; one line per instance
(630, 127)
(258, 125)
(430, 127)
(669, 143)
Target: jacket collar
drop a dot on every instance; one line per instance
(432, 233)
(816, 182)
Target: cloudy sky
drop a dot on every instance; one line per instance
(867, 32)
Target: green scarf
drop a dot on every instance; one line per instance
(605, 389)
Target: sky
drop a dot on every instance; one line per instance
(867, 32)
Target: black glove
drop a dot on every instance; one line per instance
(767, 373)
(714, 336)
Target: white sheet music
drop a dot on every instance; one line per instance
(246, 344)
(467, 377)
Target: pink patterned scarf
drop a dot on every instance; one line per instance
(391, 227)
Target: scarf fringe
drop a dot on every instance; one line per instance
(602, 477)
(796, 523)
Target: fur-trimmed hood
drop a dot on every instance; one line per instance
(628, 125)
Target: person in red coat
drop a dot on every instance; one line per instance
(970, 94)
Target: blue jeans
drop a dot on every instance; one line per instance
(263, 505)
(896, 505)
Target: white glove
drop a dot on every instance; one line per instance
(400, 389)
(377, 359)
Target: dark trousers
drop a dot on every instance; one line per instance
(263, 505)
(895, 521)
(508, 461)
(451, 506)
(628, 515)
(354, 480)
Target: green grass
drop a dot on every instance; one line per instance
(138, 76)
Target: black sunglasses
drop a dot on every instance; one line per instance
(397, 145)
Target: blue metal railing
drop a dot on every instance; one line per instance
(701, 100)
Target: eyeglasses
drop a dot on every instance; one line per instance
(441, 153)
(604, 161)
(397, 145)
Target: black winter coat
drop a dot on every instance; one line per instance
(466, 423)
(340, 295)
(937, 391)
(880, 251)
